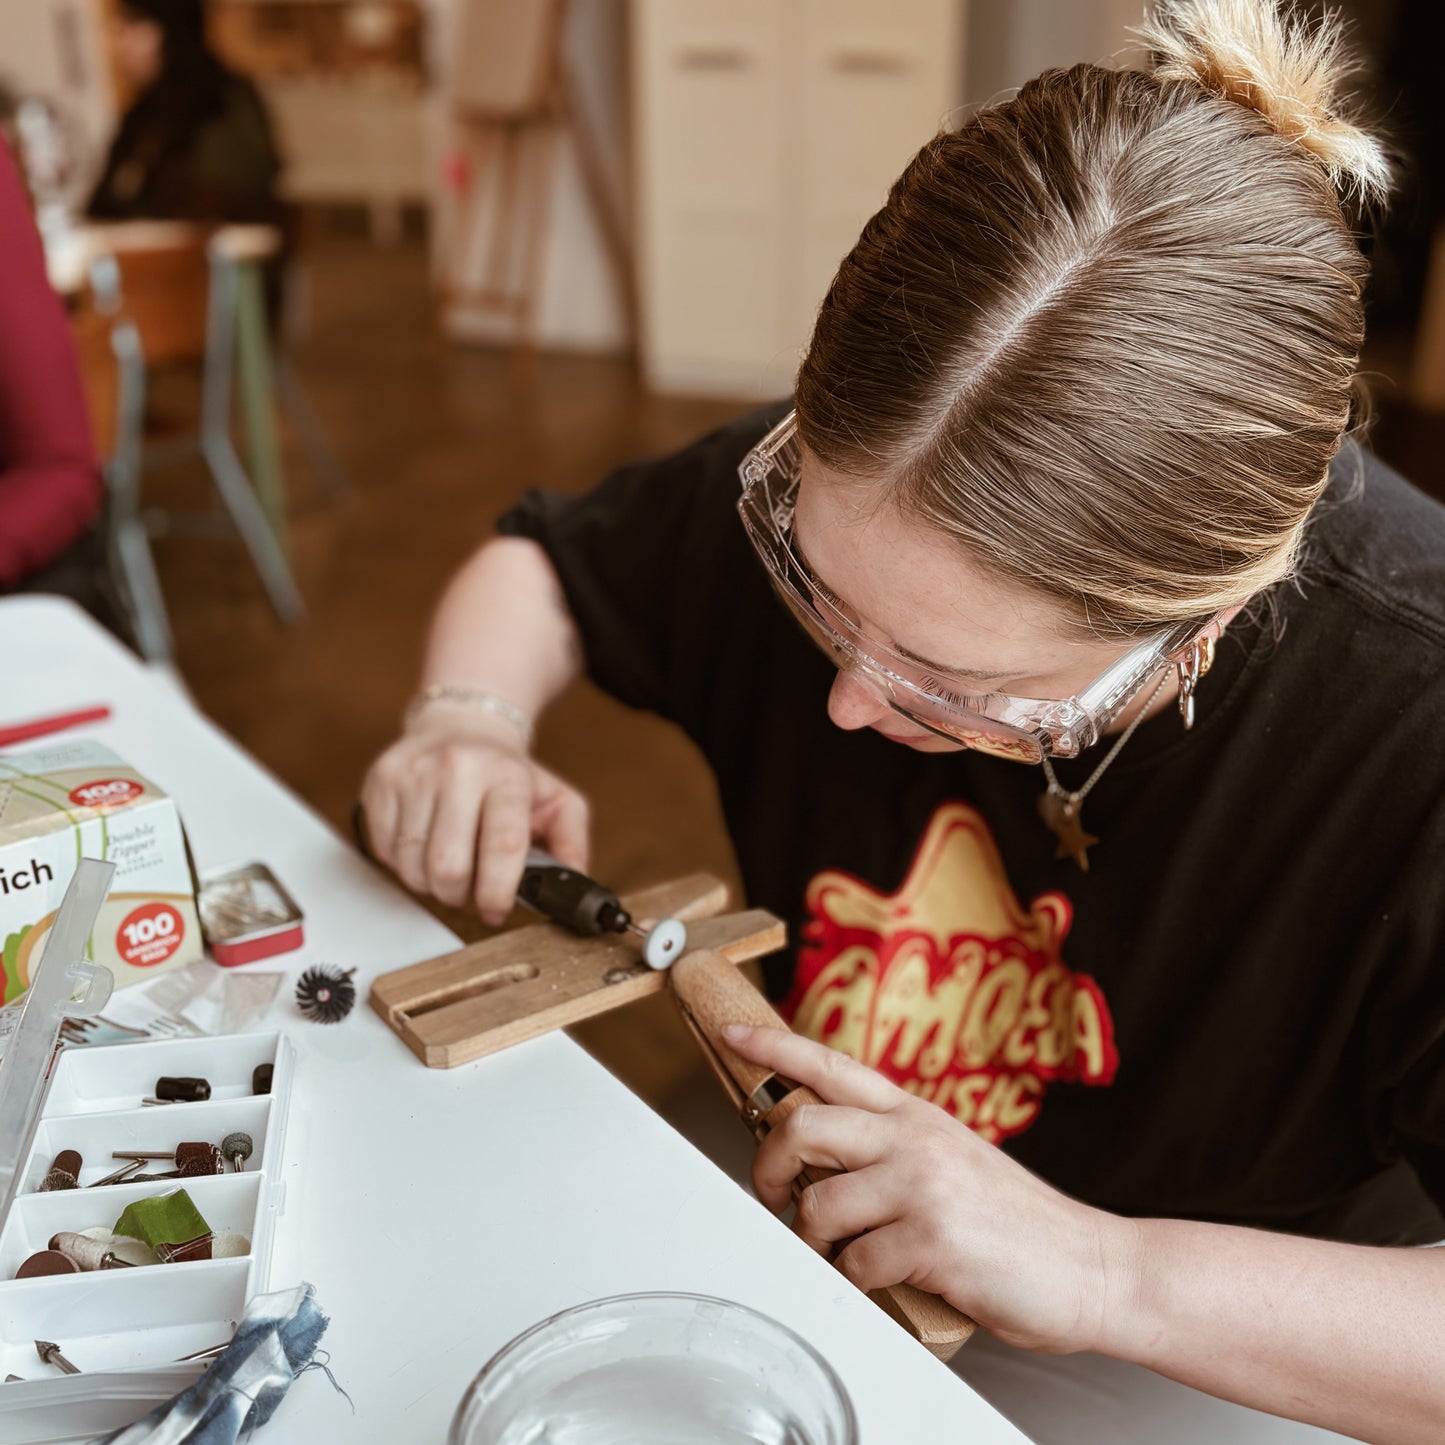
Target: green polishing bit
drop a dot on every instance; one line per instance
(163, 1219)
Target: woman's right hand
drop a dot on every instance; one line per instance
(455, 803)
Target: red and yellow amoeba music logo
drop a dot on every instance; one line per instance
(949, 987)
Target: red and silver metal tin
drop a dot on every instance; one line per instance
(247, 915)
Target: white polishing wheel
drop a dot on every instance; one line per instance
(664, 944)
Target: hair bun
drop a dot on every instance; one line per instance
(1265, 55)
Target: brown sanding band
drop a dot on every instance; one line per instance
(48, 1261)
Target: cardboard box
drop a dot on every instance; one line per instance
(77, 800)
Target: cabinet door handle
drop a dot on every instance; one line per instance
(869, 61)
(712, 57)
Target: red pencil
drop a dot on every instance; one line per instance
(42, 726)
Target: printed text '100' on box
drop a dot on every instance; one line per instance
(79, 800)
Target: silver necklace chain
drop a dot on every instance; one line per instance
(1074, 799)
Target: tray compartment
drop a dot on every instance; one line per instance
(152, 1319)
(96, 1136)
(125, 1327)
(226, 1201)
(117, 1077)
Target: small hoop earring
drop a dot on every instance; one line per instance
(1192, 666)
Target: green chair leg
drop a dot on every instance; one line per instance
(257, 396)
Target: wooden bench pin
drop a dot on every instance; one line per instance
(599, 953)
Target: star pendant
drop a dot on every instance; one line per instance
(1063, 817)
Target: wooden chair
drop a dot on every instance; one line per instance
(112, 371)
(182, 295)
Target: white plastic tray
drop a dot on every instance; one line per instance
(126, 1329)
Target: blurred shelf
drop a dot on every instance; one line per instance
(361, 139)
(346, 86)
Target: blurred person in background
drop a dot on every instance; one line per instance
(195, 143)
(1069, 479)
(50, 482)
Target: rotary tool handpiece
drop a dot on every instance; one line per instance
(570, 898)
(582, 904)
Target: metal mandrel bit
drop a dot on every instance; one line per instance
(121, 1175)
(88, 1253)
(207, 1354)
(49, 1353)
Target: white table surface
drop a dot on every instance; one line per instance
(440, 1212)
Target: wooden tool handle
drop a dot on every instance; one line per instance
(715, 994)
(930, 1319)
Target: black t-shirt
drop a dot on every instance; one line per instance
(1238, 1013)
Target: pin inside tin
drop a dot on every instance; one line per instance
(246, 915)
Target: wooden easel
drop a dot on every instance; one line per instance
(518, 985)
(511, 106)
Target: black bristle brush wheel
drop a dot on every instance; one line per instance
(326, 995)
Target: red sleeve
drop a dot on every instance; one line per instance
(50, 484)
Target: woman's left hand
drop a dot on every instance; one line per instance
(924, 1201)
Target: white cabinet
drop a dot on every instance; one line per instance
(766, 133)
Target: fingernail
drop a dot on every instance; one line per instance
(736, 1033)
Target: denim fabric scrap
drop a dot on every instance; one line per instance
(274, 1343)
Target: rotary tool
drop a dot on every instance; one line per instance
(580, 903)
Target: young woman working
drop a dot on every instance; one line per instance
(1108, 809)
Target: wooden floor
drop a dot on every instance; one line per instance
(438, 441)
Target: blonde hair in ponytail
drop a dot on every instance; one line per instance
(1290, 69)
(1104, 335)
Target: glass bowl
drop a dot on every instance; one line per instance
(656, 1369)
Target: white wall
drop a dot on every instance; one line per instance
(1011, 41)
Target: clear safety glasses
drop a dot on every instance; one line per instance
(1025, 729)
